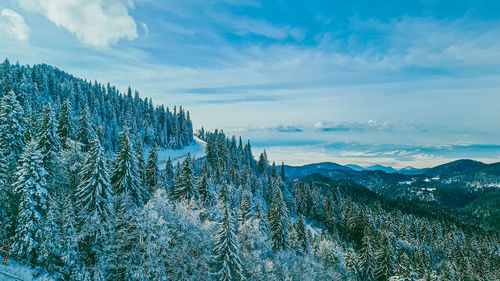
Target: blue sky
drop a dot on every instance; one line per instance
(391, 82)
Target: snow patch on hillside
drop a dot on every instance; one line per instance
(197, 149)
(18, 271)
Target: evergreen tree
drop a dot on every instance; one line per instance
(184, 188)
(282, 172)
(49, 143)
(94, 200)
(300, 228)
(125, 177)
(350, 261)
(366, 258)
(11, 148)
(12, 126)
(152, 171)
(228, 265)
(31, 189)
(5, 79)
(262, 163)
(245, 207)
(384, 259)
(403, 269)
(141, 166)
(84, 129)
(203, 188)
(278, 222)
(64, 124)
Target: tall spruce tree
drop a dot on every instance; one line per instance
(94, 199)
(279, 222)
(139, 154)
(49, 143)
(245, 207)
(64, 124)
(302, 234)
(366, 258)
(152, 172)
(125, 177)
(185, 186)
(384, 265)
(228, 265)
(12, 127)
(31, 189)
(84, 129)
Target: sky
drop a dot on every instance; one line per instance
(399, 83)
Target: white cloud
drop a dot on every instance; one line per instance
(97, 23)
(14, 24)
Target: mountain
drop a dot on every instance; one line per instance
(377, 167)
(454, 168)
(330, 169)
(355, 167)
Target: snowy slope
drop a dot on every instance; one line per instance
(18, 271)
(197, 149)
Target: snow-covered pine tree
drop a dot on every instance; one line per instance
(49, 143)
(366, 258)
(94, 199)
(350, 261)
(245, 207)
(384, 259)
(152, 171)
(139, 154)
(404, 268)
(282, 172)
(84, 129)
(301, 234)
(64, 124)
(203, 188)
(227, 264)
(31, 189)
(185, 186)
(12, 126)
(279, 222)
(125, 177)
(11, 148)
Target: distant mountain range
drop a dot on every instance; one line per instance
(445, 170)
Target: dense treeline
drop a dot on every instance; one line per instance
(80, 212)
(81, 106)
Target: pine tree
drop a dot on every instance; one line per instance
(141, 166)
(49, 143)
(278, 222)
(184, 188)
(245, 207)
(84, 129)
(11, 148)
(384, 264)
(152, 171)
(301, 234)
(31, 188)
(5, 80)
(366, 258)
(203, 188)
(350, 260)
(125, 177)
(12, 127)
(282, 172)
(94, 200)
(64, 124)
(403, 269)
(228, 265)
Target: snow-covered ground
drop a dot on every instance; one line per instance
(197, 149)
(18, 271)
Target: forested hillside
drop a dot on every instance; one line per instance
(80, 201)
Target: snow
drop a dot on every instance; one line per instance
(197, 149)
(18, 271)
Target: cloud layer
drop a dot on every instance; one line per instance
(13, 24)
(97, 23)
